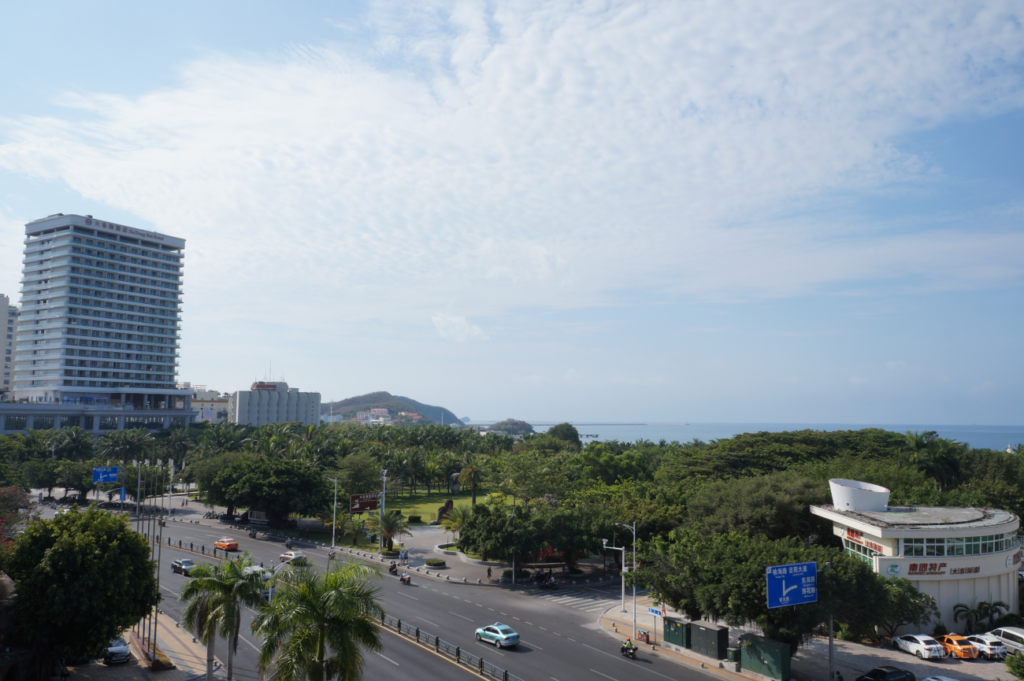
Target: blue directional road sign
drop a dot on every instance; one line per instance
(795, 584)
(122, 494)
(104, 474)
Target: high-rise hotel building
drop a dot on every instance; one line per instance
(99, 327)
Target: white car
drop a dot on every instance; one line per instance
(988, 646)
(293, 557)
(925, 647)
(940, 678)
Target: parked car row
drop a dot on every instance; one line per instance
(994, 645)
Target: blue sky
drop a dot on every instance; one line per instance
(704, 211)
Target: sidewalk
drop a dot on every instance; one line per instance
(189, 659)
(811, 660)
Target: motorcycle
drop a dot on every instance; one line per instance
(628, 652)
(549, 585)
(407, 580)
(252, 534)
(393, 570)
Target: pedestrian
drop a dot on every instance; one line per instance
(488, 573)
(839, 675)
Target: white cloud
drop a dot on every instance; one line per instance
(457, 328)
(497, 156)
(896, 364)
(858, 380)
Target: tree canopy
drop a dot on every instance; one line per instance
(82, 579)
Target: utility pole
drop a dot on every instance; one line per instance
(632, 528)
(831, 650)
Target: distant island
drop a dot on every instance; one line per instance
(512, 427)
(386, 409)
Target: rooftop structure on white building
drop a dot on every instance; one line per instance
(97, 340)
(956, 555)
(273, 402)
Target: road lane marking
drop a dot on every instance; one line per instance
(389, 660)
(408, 596)
(491, 609)
(504, 613)
(555, 633)
(458, 615)
(428, 622)
(515, 618)
(530, 623)
(480, 606)
(532, 645)
(254, 646)
(571, 639)
(495, 651)
(543, 628)
(604, 675)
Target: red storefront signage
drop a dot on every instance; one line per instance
(857, 537)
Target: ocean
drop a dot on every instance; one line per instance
(980, 437)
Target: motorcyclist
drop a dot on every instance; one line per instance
(330, 556)
(405, 577)
(288, 543)
(627, 646)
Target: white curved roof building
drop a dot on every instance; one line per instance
(956, 555)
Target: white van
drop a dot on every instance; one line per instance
(1012, 638)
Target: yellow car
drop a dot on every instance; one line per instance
(958, 646)
(226, 543)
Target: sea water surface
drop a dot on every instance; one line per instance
(980, 437)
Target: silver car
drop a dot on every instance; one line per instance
(1012, 638)
(117, 651)
(988, 646)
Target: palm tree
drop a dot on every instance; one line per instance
(470, 477)
(390, 526)
(318, 625)
(352, 524)
(197, 618)
(992, 610)
(221, 592)
(970, 616)
(457, 518)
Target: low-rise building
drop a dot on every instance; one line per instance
(273, 402)
(211, 404)
(955, 555)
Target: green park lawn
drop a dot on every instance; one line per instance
(426, 506)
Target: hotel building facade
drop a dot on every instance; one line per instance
(98, 335)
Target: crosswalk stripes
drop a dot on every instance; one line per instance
(577, 600)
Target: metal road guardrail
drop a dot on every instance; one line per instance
(482, 667)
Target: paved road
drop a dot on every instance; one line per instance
(561, 639)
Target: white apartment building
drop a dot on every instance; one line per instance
(10, 317)
(273, 402)
(97, 340)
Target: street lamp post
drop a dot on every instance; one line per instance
(604, 542)
(632, 528)
(512, 515)
(383, 508)
(334, 522)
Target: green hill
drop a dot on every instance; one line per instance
(435, 414)
(393, 403)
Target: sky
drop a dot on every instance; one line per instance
(657, 211)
